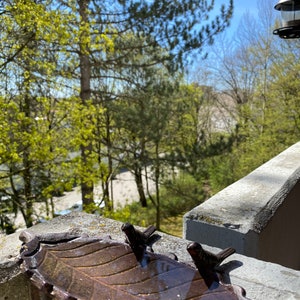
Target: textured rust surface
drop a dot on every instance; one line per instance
(95, 268)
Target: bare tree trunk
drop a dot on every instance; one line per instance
(52, 207)
(87, 186)
(139, 161)
(27, 177)
(155, 200)
(109, 200)
(157, 177)
(139, 183)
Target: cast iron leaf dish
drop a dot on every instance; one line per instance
(66, 266)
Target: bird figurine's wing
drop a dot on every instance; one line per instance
(150, 237)
(151, 240)
(149, 230)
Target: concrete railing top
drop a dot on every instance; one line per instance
(260, 279)
(249, 203)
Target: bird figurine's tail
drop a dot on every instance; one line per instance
(224, 254)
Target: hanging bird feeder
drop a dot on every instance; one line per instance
(290, 19)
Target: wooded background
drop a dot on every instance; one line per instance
(90, 88)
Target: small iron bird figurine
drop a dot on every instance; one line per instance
(206, 262)
(139, 241)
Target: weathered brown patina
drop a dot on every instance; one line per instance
(64, 266)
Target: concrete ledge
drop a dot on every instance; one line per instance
(258, 215)
(260, 279)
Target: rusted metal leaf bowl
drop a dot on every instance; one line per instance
(71, 267)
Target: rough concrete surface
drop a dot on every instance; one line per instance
(261, 280)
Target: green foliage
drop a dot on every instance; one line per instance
(134, 213)
(181, 195)
(177, 197)
(221, 171)
(86, 86)
(270, 122)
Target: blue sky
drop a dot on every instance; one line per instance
(240, 8)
